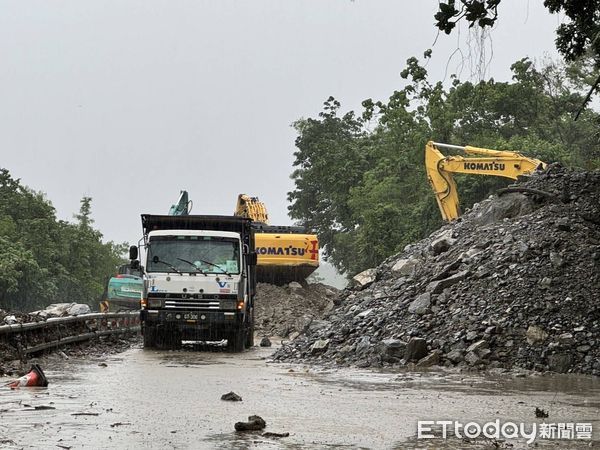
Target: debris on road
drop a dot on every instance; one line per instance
(509, 288)
(255, 423)
(269, 434)
(35, 377)
(231, 397)
(119, 424)
(540, 413)
(85, 414)
(265, 342)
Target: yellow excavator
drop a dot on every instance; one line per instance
(499, 163)
(285, 253)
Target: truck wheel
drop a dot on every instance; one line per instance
(169, 340)
(250, 333)
(236, 341)
(149, 337)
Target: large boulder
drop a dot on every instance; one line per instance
(415, 349)
(365, 278)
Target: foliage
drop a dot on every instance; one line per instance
(44, 260)
(575, 38)
(359, 178)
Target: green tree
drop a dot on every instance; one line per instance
(359, 178)
(44, 260)
(578, 37)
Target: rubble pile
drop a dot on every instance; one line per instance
(515, 283)
(285, 311)
(54, 310)
(12, 359)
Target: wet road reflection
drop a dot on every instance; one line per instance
(161, 399)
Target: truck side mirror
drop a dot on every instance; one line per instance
(252, 258)
(133, 252)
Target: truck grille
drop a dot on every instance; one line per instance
(192, 304)
(196, 301)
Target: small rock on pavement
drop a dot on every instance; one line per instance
(265, 342)
(270, 434)
(430, 360)
(455, 356)
(416, 349)
(393, 347)
(255, 423)
(231, 397)
(560, 363)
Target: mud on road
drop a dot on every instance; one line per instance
(160, 399)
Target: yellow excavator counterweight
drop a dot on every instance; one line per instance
(499, 163)
(285, 253)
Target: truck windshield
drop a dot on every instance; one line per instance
(223, 254)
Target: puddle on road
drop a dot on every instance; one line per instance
(171, 399)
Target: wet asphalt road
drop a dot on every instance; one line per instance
(160, 399)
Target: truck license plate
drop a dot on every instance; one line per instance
(190, 316)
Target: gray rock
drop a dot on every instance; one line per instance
(443, 242)
(406, 267)
(535, 334)
(436, 287)
(472, 335)
(472, 358)
(393, 347)
(363, 345)
(265, 342)
(432, 359)
(563, 224)
(416, 348)
(231, 397)
(560, 362)
(476, 346)
(556, 260)
(365, 278)
(421, 304)
(364, 314)
(295, 287)
(545, 283)
(319, 346)
(566, 338)
(455, 356)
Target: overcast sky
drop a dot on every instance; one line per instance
(130, 101)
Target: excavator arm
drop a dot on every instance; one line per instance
(183, 207)
(440, 170)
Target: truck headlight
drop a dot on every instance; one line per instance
(227, 304)
(155, 303)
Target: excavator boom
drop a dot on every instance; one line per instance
(499, 163)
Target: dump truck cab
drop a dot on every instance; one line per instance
(199, 280)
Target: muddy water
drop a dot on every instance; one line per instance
(156, 399)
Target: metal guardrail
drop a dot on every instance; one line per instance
(91, 326)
